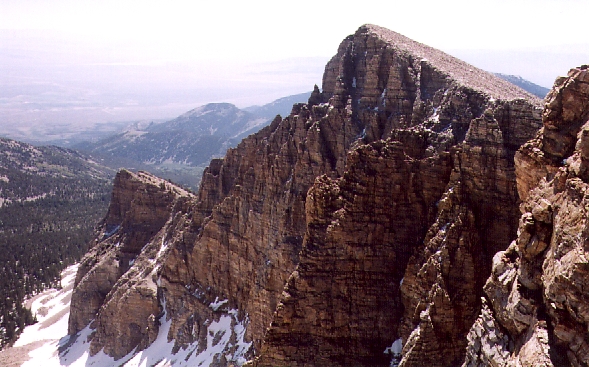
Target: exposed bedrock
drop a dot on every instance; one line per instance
(537, 301)
(358, 230)
(399, 247)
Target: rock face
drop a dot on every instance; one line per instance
(537, 307)
(359, 230)
(400, 246)
(116, 280)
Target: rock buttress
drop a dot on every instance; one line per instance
(341, 304)
(115, 287)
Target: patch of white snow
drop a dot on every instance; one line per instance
(50, 346)
(395, 352)
(163, 248)
(218, 303)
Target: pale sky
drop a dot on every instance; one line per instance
(252, 52)
(272, 30)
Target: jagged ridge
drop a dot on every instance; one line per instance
(399, 247)
(414, 150)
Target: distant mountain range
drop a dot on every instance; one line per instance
(179, 149)
(526, 85)
(50, 200)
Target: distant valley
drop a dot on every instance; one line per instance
(181, 148)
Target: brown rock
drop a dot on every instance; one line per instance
(245, 248)
(543, 308)
(564, 114)
(357, 242)
(379, 204)
(444, 136)
(115, 284)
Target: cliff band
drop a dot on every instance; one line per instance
(359, 230)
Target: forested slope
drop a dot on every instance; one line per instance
(50, 200)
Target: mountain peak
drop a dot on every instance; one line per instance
(379, 38)
(211, 107)
(379, 204)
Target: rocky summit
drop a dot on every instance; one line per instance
(416, 211)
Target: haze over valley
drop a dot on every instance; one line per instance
(71, 70)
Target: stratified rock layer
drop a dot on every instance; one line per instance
(366, 219)
(115, 286)
(400, 246)
(341, 305)
(537, 311)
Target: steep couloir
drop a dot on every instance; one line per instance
(366, 219)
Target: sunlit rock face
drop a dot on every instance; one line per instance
(116, 283)
(365, 221)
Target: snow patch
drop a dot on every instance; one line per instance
(444, 228)
(163, 248)
(219, 333)
(395, 348)
(435, 117)
(225, 338)
(218, 303)
(52, 310)
(395, 352)
(109, 232)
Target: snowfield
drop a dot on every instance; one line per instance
(47, 344)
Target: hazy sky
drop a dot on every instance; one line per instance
(185, 53)
(261, 30)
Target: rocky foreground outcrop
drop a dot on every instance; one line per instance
(536, 304)
(359, 230)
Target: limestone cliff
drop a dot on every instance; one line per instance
(536, 305)
(400, 246)
(115, 286)
(364, 221)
